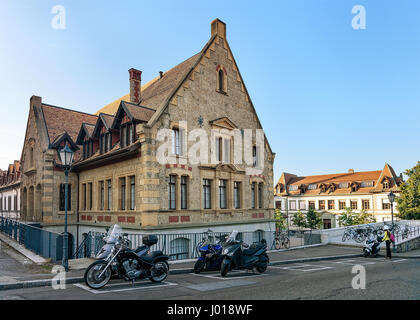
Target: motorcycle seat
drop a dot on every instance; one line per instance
(252, 250)
(149, 257)
(140, 249)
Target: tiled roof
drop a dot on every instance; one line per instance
(336, 178)
(139, 113)
(156, 91)
(108, 119)
(59, 120)
(10, 176)
(332, 182)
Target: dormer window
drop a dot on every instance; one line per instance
(293, 187)
(366, 184)
(312, 186)
(343, 185)
(105, 142)
(386, 185)
(127, 134)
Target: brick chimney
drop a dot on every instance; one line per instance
(218, 27)
(135, 85)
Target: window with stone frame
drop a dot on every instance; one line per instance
(386, 205)
(365, 204)
(302, 205)
(172, 192)
(101, 195)
(331, 205)
(132, 194)
(237, 194)
(109, 192)
(63, 198)
(222, 194)
(353, 204)
(321, 204)
(184, 192)
(260, 195)
(342, 204)
(122, 193)
(221, 80)
(292, 205)
(90, 193)
(311, 204)
(206, 194)
(253, 194)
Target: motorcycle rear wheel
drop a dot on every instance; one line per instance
(92, 275)
(159, 271)
(365, 253)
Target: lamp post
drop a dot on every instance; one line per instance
(66, 157)
(391, 198)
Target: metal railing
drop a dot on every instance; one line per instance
(45, 243)
(179, 246)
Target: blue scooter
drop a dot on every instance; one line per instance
(209, 254)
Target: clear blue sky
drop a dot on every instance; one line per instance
(329, 97)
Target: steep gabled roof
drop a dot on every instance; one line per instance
(85, 130)
(103, 119)
(59, 120)
(135, 112)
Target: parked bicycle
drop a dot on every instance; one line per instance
(280, 240)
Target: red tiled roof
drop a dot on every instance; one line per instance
(59, 120)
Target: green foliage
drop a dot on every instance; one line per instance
(350, 218)
(363, 218)
(408, 203)
(280, 220)
(299, 219)
(313, 219)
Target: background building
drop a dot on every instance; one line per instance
(10, 191)
(331, 194)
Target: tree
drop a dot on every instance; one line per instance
(363, 217)
(313, 219)
(408, 203)
(280, 220)
(299, 219)
(347, 218)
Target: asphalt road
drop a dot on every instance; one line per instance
(395, 279)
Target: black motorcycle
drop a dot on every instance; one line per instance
(116, 258)
(234, 257)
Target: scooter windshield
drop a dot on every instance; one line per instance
(114, 232)
(232, 236)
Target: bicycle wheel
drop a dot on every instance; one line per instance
(277, 244)
(286, 242)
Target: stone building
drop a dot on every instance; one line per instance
(118, 175)
(331, 194)
(10, 191)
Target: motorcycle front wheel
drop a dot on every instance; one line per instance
(159, 271)
(93, 272)
(199, 266)
(365, 253)
(225, 267)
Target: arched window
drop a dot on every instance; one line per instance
(179, 248)
(221, 81)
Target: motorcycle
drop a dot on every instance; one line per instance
(209, 254)
(117, 259)
(372, 246)
(234, 257)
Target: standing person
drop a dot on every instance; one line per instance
(387, 239)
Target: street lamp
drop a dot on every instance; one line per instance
(391, 197)
(66, 157)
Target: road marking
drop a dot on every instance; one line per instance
(354, 262)
(151, 286)
(229, 277)
(220, 285)
(399, 260)
(304, 267)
